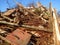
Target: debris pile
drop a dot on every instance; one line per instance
(35, 21)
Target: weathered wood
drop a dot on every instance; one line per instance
(20, 5)
(1, 37)
(42, 19)
(9, 12)
(40, 5)
(2, 31)
(50, 18)
(4, 22)
(37, 28)
(36, 16)
(7, 18)
(56, 29)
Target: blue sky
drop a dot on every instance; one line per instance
(4, 5)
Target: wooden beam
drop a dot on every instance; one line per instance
(21, 6)
(56, 29)
(4, 17)
(37, 28)
(8, 23)
(7, 18)
(50, 18)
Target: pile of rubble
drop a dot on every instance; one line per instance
(26, 26)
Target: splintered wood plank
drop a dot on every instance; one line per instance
(9, 12)
(56, 29)
(37, 28)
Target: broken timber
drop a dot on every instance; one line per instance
(26, 26)
(4, 22)
(6, 17)
(56, 29)
(36, 28)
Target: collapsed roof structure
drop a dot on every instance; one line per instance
(27, 26)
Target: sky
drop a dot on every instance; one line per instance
(4, 4)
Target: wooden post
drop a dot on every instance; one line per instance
(50, 18)
(55, 29)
